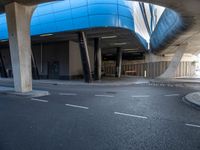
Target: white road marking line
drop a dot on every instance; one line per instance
(39, 100)
(104, 95)
(137, 96)
(169, 95)
(76, 106)
(130, 115)
(192, 125)
(67, 94)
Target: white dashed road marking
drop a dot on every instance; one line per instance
(104, 95)
(130, 115)
(137, 96)
(67, 94)
(77, 106)
(193, 125)
(170, 95)
(39, 100)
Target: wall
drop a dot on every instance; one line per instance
(153, 69)
(67, 53)
(52, 52)
(154, 66)
(75, 63)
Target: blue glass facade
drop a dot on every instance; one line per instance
(167, 27)
(69, 15)
(72, 15)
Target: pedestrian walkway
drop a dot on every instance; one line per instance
(108, 81)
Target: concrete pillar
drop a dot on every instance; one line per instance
(118, 63)
(171, 69)
(18, 20)
(85, 57)
(97, 59)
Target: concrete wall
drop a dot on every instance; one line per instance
(153, 69)
(52, 52)
(154, 65)
(75, 63)
(67, 53)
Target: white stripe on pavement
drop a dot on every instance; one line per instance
(130, 115)
(39, 100)
(135, 96)
(67, 94)
(104, 95)
(192, 125)
(169, 95)
(77, 106)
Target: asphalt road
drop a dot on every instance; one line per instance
(100, 118)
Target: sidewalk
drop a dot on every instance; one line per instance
(106, 81)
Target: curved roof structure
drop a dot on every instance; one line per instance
(70, 15)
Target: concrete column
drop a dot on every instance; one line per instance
(171, 69)
(97, 59)
(118, 63)
(85, 57)
(18, 20)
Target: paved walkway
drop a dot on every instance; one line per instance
(108, 81)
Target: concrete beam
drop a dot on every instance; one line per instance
(85, 57)
(171, 70)
(18, 20)
(118, 63)
(97, 59)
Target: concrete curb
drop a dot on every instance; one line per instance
(34, 93)
(134, 81)
(193, 99)
(171, 83)
(96, 84)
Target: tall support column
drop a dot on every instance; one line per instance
(85, 57)
(97, 59)
(118, 63)
(18, 20)
(171, 70)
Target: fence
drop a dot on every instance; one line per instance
(151, 70)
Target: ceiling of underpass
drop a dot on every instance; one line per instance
(125, 38)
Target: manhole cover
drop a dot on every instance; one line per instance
(111, 92)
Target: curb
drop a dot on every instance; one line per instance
(175, 84)
(190, 101)
(33, 94)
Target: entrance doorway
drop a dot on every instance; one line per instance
(53, 70)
